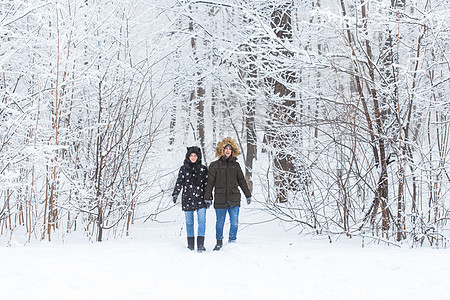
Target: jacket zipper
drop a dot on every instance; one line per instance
(226, 185)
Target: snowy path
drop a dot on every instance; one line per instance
(156, 265)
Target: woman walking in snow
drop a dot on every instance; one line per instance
(225, 175)
(192, 178)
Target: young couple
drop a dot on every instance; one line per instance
(224, 175)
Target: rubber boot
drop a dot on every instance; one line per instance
(190, 240)
(200, 243)
(218, 245)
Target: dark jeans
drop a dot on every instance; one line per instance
(233, 212)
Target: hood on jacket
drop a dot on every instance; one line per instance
(222, 144)
(196, 150)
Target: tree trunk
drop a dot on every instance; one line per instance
(284, 113)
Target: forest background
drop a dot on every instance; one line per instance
(341, 110)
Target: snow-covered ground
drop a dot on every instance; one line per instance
(267, 262)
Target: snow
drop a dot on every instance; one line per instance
(266, 262)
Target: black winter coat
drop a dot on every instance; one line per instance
(225, 175)
(192, 179)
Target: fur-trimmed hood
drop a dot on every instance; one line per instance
(221, 147)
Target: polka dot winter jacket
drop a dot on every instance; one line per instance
(192, 178)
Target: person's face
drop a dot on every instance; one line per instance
(227, 152)
(193, 157)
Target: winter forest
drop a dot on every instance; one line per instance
(341, 110)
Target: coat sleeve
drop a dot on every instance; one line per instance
(212, 172)
(242, 182)
(180, 182)
(204, 179)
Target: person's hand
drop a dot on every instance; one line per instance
(249, 200)
(208, 203)
(174, 198)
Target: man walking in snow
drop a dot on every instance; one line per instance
(225, 175)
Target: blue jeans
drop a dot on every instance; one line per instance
(201, 220)
(233, 212)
